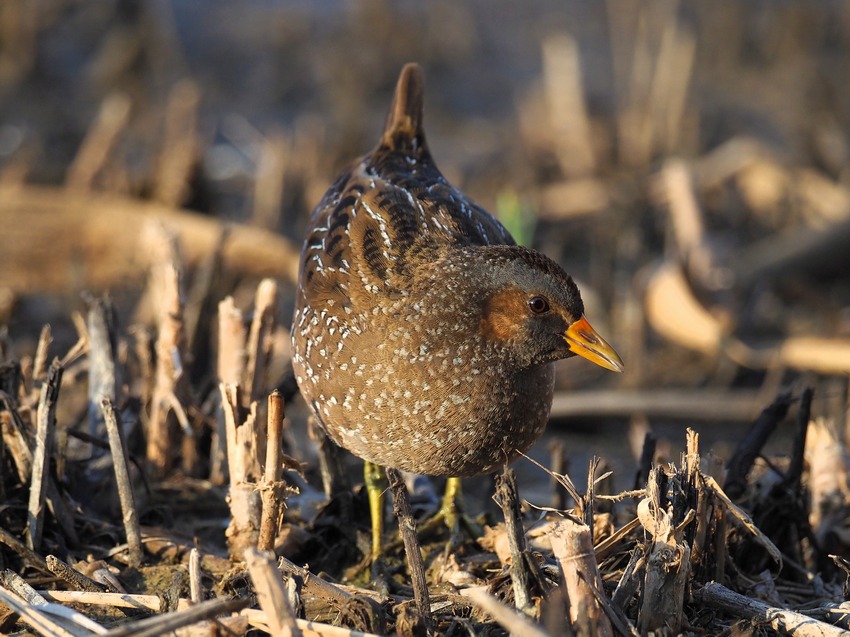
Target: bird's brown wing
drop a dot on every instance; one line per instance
(368, 236)
(389, 214)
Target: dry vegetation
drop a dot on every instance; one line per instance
(157, 164)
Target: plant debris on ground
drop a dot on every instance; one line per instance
(686, 163)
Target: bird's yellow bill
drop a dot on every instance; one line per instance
(584, 341)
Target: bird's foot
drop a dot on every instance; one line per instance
(452, 515)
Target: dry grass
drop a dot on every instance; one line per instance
(686, 162)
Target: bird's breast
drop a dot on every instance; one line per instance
(405, 390)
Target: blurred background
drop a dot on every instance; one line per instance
(685, 161)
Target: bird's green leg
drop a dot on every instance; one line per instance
(376, 484)
(452, 515)
(451, 500)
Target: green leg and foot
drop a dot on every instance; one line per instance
(376, 484)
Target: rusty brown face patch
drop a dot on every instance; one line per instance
(503, 315)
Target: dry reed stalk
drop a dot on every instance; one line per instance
(66, 228)
(230, 368)
(171, 389)
(181, 145)
(271, 593)
(631, 579)
(259, 619)
(674, 312)
(726, 161)
(564, 89)
(676, 191)
(829, 479)
(15, 439)
(334, 479)
(232, 335)
(99, 142)
(120, 462)
(517, 624)
(573, 549)
(27, 555)
(507, 497)
(112, 600)
(667, 562)
(269, 180)
(314, 585)
(668, 93)
(260, 340)
(101, 337)
(244, 499)
(787, 622)
(172, 621)
(151, 603)
(196, 587)
(39, 363)
(407, 528)
(272, 489)
(39, 620)
(43, 448)
(700, 544)
(572, 198)
(633, 127)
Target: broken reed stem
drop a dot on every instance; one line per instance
(573, 548)
(260, 340)
(181, 145)
(647, 454)
(27, 555)
(72, 576)
(151, 603)
(120, 462)
(271, 593)
(45, 426)
(786, 622)
(631, 578)
(39, 363)
(315, 585)
(565, 98)
(20, 587)
(407, 528)
(196, 588)
(795, 468)
(42, 623)
(558, 463)
(62, 227)
(668, 560)
(334, 480)
(270, 180)
(244, 499)
(741, 462)
(14, 438)
(686, 217)
(516, 624)
(507, 497)
(170, 381)
(271, 492)
(167, 622)
(101, 328)
(230, 366)
(99, 141)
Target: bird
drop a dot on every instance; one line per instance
(424, 338)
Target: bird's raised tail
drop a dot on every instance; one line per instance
(403, 130)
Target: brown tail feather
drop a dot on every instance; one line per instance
(403, 129)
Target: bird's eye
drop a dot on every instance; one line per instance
(538, 304)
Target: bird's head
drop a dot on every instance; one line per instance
(532, 308)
